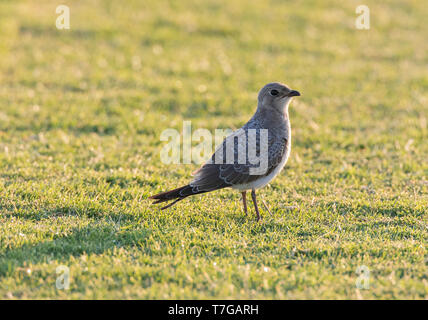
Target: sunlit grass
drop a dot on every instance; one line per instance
(82, 111)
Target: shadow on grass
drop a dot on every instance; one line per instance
(39, 30)
(71, 128)
(388, 209)
(82, 240)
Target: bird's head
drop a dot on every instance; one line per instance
(276, 95)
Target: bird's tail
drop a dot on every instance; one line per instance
(176, 194)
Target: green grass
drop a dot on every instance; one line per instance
(82, 110)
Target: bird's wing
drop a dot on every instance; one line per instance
(221, 171)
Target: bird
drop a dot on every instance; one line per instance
(267, 135)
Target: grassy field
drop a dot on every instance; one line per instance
(82, 111)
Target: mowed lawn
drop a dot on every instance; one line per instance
(82, 112)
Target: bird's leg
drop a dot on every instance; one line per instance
(244, 201)
(253, 195)
(266, 207)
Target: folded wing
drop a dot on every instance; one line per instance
(231, 165)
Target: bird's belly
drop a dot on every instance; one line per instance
(264, 180)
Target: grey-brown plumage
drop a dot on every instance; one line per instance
(219, 172)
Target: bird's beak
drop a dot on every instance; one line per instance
(293, 93)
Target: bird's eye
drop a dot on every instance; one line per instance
(274, 92)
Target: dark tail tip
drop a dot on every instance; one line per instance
(176, 194)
